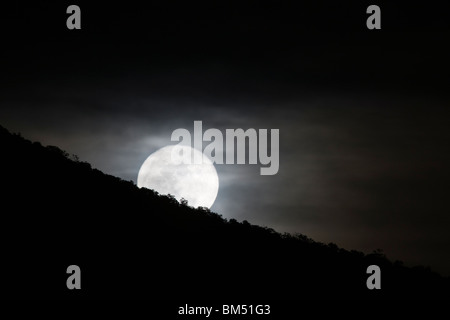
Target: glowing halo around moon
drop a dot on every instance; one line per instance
(197, 183)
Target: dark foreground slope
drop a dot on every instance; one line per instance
(131, 242)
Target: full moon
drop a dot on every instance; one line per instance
(197, 183)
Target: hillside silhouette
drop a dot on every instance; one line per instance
(134, 243)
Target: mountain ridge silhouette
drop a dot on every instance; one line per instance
(134, 243)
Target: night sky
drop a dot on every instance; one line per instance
(363, 115)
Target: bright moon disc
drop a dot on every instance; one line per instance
(197, 183)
